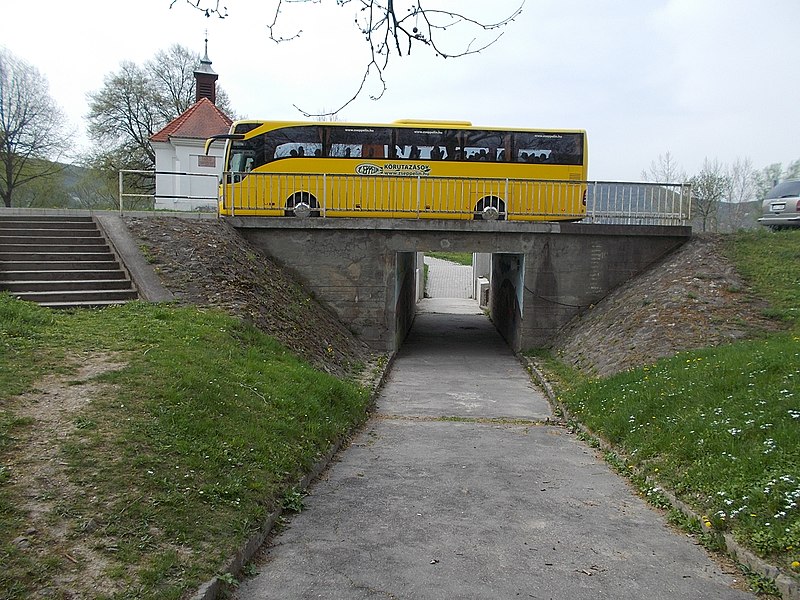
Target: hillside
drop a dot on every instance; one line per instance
(693, 298)
(206, 263)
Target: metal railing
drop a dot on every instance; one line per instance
(162, 190)
(411, 197)
(639, 203)
(400, 196)
(275, 194)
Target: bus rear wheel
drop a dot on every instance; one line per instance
(301, 204)
(490, 208)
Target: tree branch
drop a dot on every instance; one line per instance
(213, 8)
(386, 32)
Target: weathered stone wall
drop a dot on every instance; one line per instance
(566, 274)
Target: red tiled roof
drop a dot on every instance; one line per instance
(199, 121)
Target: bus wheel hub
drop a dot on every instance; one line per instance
(490, 213)
(302, 210)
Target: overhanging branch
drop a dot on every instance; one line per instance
(388, 32)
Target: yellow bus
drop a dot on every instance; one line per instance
(407, 169)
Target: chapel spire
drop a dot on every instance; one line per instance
(205, 78)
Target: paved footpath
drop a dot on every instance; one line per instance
(447, 279)
(458, 488)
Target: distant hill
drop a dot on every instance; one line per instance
(72, 186)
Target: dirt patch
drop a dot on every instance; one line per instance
(45, 489)
(694, 298)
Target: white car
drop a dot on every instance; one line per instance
(781, 207)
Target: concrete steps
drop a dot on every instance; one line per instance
(60, 262)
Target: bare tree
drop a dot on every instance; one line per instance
(171, 73)
(708, 190)
(741, 191)
(665, 169)
(792, 170)
(136, 102)
(122, 117)
(766, 179)
(32, 133)
(390, 27)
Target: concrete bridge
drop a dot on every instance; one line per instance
(542, 274)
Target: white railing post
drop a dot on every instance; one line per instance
(507, 199)
(120, 192)
(419, 194)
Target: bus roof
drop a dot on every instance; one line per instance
(425, 123)
(433, 123)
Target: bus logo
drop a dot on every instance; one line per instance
(401, 169)
(368, 169)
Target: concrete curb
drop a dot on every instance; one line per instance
(130, 257)
(786, 584)
(212, 590)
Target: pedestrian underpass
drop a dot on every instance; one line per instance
(540, 274)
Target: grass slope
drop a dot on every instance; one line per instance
(175, 458)
(720, 427)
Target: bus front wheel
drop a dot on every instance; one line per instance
(301, 204)
(490, 208)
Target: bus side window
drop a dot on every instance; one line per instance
(408, 152)
(345, 150)
(373, 150)
(483, 145)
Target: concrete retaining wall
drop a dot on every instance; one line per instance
(543, 274)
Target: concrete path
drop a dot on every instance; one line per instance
(447, 279)
(458, 488)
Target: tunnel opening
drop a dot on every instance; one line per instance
(456, 285)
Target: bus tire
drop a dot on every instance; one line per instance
(490, 208)
(301, 204)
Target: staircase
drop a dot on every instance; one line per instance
(60, 262)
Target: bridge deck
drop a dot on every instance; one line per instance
(443, 225)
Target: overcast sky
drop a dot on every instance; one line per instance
(696, 78)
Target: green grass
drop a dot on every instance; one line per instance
(719, 427)
(461, 258)
(180, 455)
(771, 264)
(208, 424)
